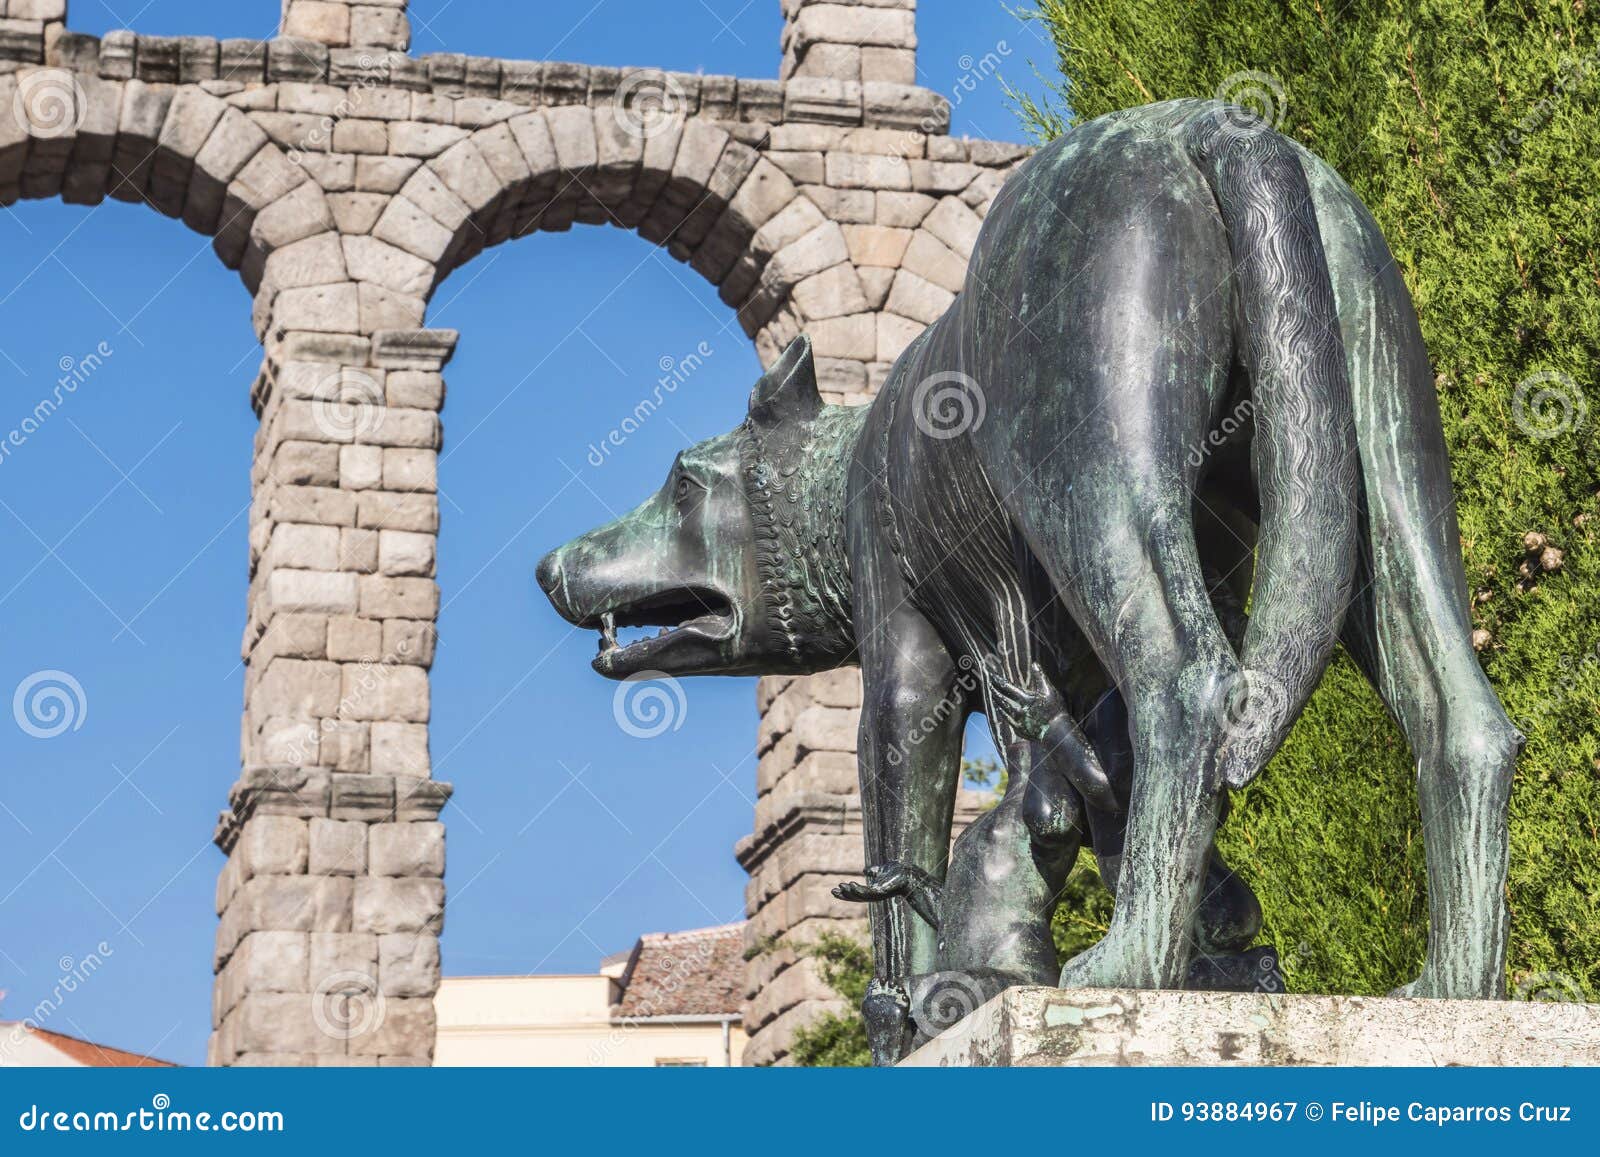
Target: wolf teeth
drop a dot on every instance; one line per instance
(608, 632)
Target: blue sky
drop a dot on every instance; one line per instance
(124, 520)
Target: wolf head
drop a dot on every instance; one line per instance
(738, 558)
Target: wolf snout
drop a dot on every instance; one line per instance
(549, 576)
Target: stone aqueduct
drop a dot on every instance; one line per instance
(343, 179)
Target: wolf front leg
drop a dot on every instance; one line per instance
(909, 754)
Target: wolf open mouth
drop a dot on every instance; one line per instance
(684, 615)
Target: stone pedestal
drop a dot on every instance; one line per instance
(1049, 1026)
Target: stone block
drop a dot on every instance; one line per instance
(877, 245)
(400, 749)
(933, 261)
(408, 964)
(354, 214)
(296, 903)
(385, 905)
(277, 1025)
(293, 636)
(360, 467)
(940, 178)
(297, 688)
(405, 1034)
(919, 300)
(288, 741)
(903, 210)
(317, 20)
(401, 427)
(410, 469)
(1060, 1028)
(381, 26)
(407, 850)
(383, 597)
(354, 640)
(313, 591)
(857, 171)
(336, 952)
(409, 641)
(273, 845)
(320, 504)
(346, 745)
(834, 293)
(956, 225)
(905, 106)
(338, 848)
(384, 174)
(384, 692)
(406, 226)
(304, 548)
(306, 464)
(370, 259)
(358, 550)
(365, 798)
(895, 334)
(402, 552)
(820, 728)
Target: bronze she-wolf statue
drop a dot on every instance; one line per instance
(1185, 378)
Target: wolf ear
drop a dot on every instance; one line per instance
(788, 391)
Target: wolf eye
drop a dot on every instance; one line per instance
(685, 488)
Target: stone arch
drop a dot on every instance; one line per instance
(182, 151)
(688, 185)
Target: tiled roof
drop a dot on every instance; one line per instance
(93, 1055)
(699, 973)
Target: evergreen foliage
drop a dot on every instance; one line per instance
(1471, 128)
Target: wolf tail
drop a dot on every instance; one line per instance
(1306, 461)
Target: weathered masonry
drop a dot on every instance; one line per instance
(344, 179)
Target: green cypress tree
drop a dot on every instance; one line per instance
(1472, 130)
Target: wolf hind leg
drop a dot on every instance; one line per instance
(1150, 617)
(1228, 917)
(1465, 749)
(1410, 630)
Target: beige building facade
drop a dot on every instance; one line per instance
(672, 1001)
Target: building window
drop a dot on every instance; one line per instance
(680, 1062)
